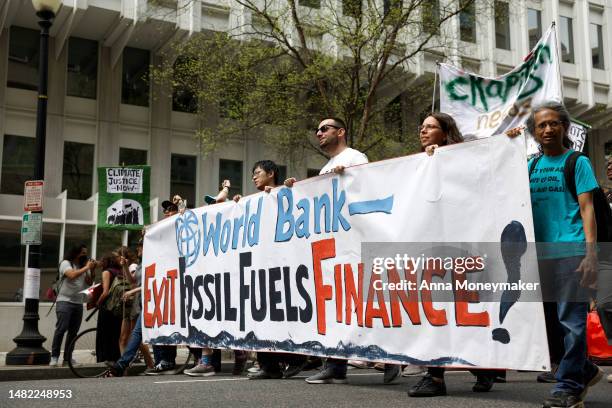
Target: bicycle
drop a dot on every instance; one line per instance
(83, 347)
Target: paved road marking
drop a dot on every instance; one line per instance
(240, 379)
(201, 380)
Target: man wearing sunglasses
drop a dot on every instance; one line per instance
(331, 134)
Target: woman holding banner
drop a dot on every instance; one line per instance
(439, 129)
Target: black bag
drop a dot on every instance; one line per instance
(603, 212)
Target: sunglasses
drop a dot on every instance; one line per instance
(325, 128)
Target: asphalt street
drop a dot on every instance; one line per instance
(365, 389)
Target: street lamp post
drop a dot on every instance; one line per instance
(29, 348)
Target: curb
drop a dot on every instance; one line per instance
(37, 373)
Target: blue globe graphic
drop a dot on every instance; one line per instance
(188, 237)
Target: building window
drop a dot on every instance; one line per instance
(77, 174)
(390, 5)
(312, 172)
(183, 170)
(79, 234)
(49, 250)
(607, 150)
(135, 84)
(282, 173)
(82, 68)
(567, 39)
(393, 118)
(23, 58)
(310, 3)
(231, 170)
(107, 240)
(467, 23)
(597, 56)
(534, 26)
(431, 16)
(18, 156)
(132, 157)
(502, 25)
(12, 259)
(183, 98)
(351, 8)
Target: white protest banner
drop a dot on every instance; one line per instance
(123, 197)
(124, 180)
(285, 270)
(484, 106)
(577, 134)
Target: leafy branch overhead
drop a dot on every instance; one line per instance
(290, 64)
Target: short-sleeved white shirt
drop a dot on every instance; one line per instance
(348, 157)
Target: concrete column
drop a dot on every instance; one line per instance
(160, 151)
(486, 22)
(582, 51)
(607, 46)
(55, 120)
(450, 32)
(520, 34)
(109, 103)
(4, 48)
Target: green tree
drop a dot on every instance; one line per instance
(294, 62)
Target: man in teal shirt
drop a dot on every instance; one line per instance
(566, 230)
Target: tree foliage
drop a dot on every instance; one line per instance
(293, 63)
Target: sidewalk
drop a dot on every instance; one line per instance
(43, 372)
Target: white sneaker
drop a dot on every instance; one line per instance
(53, 362)
(411, 370)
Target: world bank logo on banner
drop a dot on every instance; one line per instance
(188, 237)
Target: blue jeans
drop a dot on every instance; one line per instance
(69, 316)
(133, 344)
(574, 368)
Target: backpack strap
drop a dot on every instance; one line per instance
(60, 279)
(534, 163)
(569, 173)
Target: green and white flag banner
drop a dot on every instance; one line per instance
(123, 197)
(484, 106)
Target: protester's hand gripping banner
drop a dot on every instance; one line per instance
(123, 197)
(287, 270)
(484, 106)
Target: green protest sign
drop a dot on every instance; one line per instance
(123, 197)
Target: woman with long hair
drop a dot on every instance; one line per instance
(439, 129)
(76, 272)
(109, 323)
(130, 313)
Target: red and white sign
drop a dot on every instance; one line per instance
(33, 195)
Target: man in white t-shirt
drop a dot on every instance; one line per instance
(332, 140)
(332, 135)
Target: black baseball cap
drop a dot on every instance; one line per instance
(169, 206)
